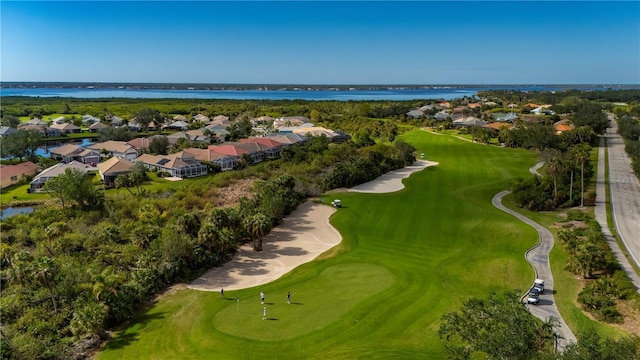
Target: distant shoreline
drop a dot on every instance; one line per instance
(298, 87)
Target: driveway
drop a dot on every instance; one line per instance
(538, 256)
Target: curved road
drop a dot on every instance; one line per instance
(538, 256)
(624, 197)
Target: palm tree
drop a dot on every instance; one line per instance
(44, 272)
(258, 225)
(582, 152)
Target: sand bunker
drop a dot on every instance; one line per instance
(304, 234)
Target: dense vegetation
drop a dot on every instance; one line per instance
(501, 327)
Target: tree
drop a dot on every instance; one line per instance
(258, 226)
(581, 153)
(591, 346)
(10, 121)
(145, 116)
(240, 129)
(555, 166)
(159, 145)
(21, 144)
(489, 326)
(44, 272)
(75, 185)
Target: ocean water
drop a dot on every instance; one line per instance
(390, 93)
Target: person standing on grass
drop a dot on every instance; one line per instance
(264, 313)
(222, 293)
(288, 297)
(261, 297)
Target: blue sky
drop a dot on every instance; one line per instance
(478, 42)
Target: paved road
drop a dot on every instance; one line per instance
(601, 217)
(538, 256)
(625, 193)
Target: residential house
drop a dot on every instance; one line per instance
(273, 147)
(111, 168)
(416, 114)
(510, 117)
(226, 162)
(194, 136)
(288, 139)
(229, 149)
(180, 118)
(65, 153)
(36, 121)
(88, 119)
(6, 130)
(59, 120)
(315, 131)
(182, 164)
(95, 127)
(221, 120)
(255, 150)
(444, 105)
(41, 179)
(47, 131)
(289, 121)
(178, 125)
(512, 106)
(203, 119)
(441, 116)
(67, 128)
(474, 105)
(262, 120)
(468, 121)
(12, 174)
(88, 156)
(563, 125)
(141, 144)
(115, 120)
(116, 148)
(497, 126)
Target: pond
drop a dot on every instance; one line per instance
(44, 151)
(11, 211)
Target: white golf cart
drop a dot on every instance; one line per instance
(336, 203)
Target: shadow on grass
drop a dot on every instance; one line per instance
(124, 338)
(297, 303)
(272, 319)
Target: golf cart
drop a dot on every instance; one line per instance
(533, 297)
(336, 203)
(538, 284)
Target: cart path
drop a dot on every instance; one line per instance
(538, 257)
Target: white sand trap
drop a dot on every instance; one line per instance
(303, 236)
(392, 181)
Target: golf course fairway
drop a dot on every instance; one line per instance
(406, 258)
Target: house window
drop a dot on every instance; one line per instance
(14, 178)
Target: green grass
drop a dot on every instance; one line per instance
(51, 117)
(566, 299)
(405, 260)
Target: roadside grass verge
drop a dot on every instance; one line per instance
(406, 259)
(568, 285)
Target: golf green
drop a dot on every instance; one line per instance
(406, 259)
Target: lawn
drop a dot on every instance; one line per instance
(405, 260)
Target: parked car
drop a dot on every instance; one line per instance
(538, 284)
(533, 297)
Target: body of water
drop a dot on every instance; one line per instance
(44, 151)
(11, 211)
(393, 94)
